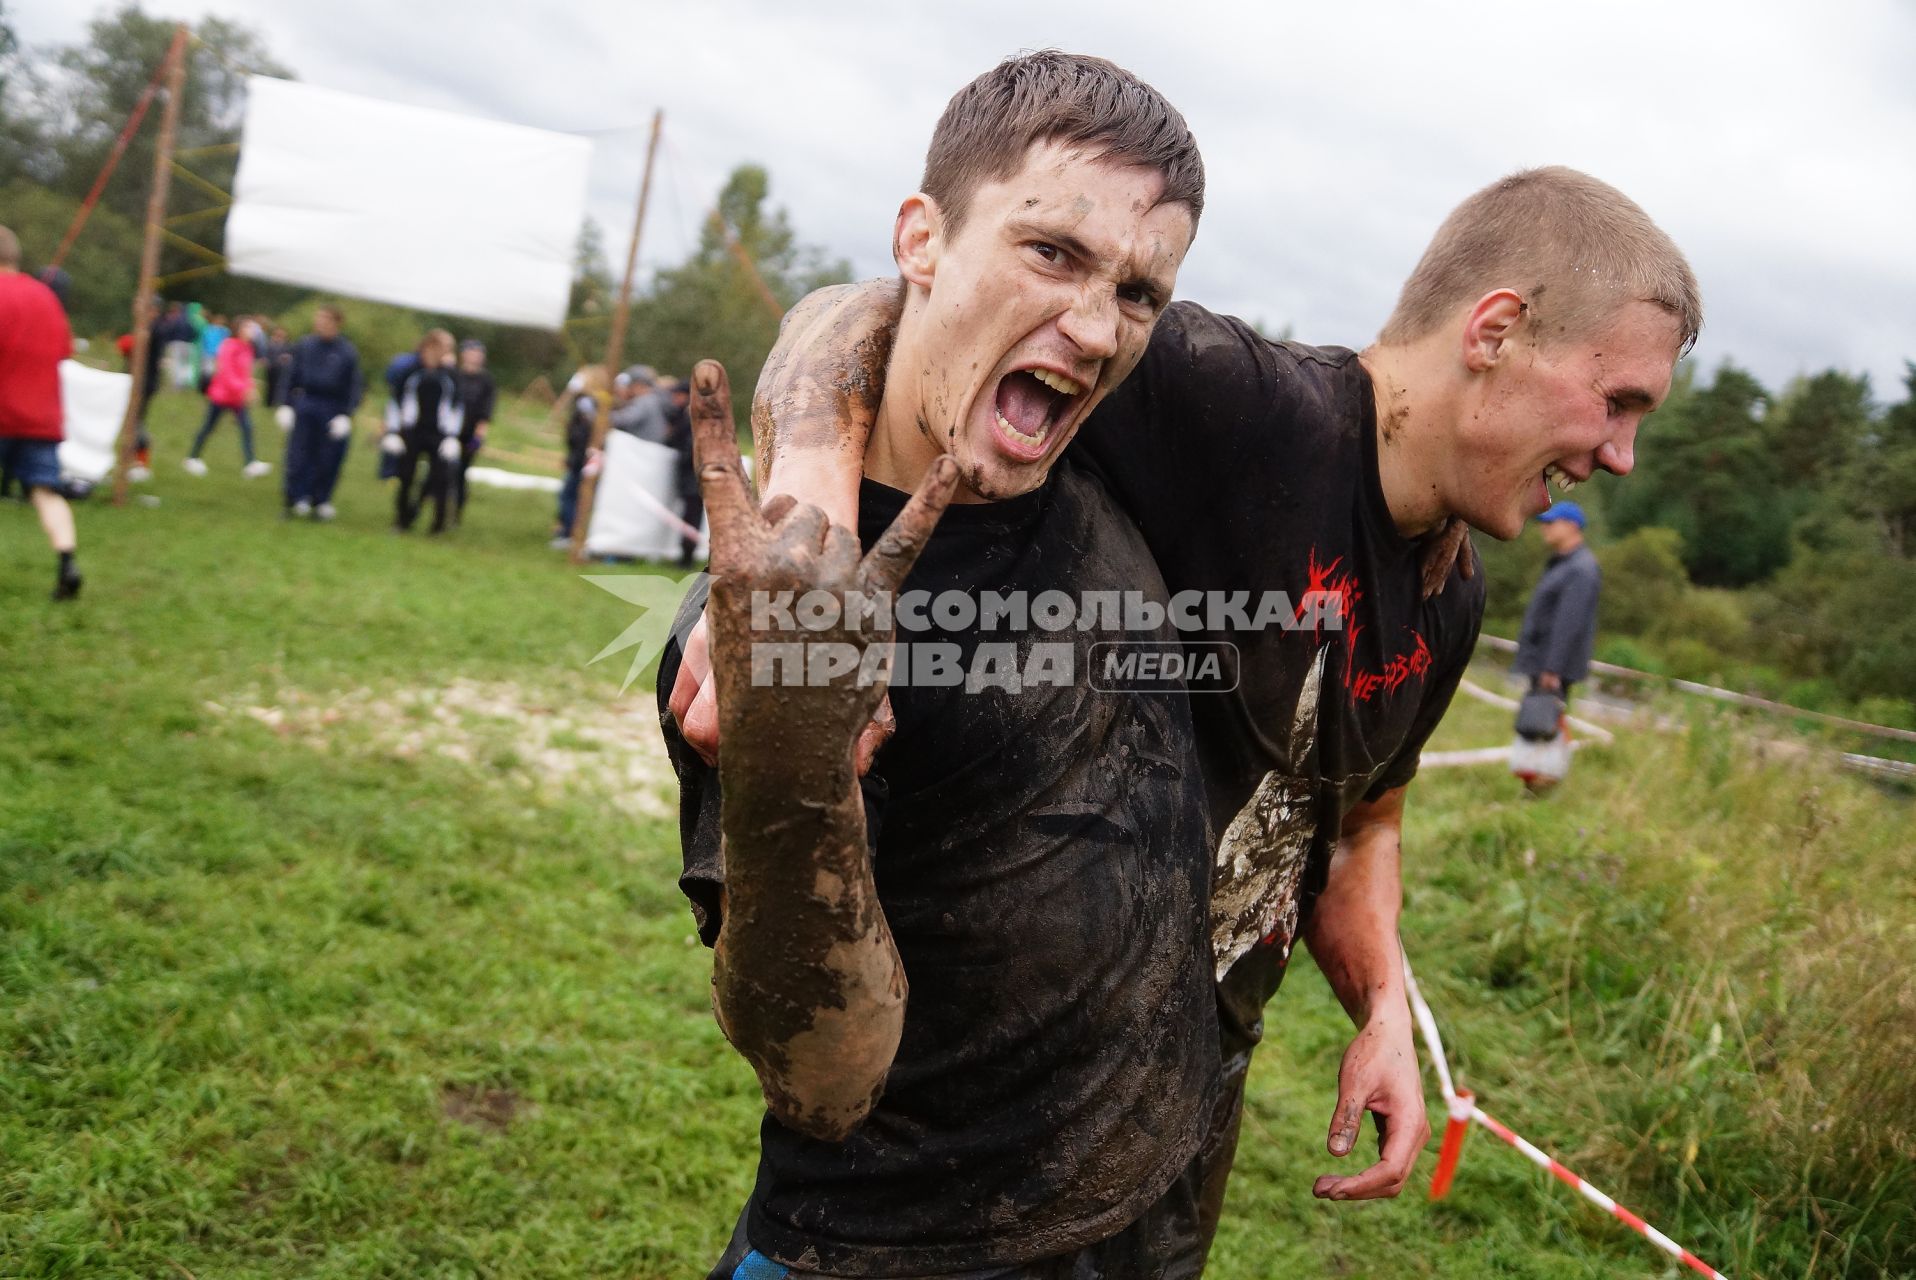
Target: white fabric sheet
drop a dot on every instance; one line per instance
(407, 205)
(635, 491)
(94, 404)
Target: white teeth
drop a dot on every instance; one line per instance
(1031, 442)
(1554, 473)
(1056, 381)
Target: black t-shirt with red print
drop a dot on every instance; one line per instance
(1251, 467)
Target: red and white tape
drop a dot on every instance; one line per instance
(1463, 1110)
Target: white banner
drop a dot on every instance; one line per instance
(400, 204)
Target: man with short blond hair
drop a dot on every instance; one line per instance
(34, 339)
(1543, 323)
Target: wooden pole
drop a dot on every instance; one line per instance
(131, 127)
(150, 256)
(614, 351)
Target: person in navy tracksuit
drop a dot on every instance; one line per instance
(323, 388)
(424, 423)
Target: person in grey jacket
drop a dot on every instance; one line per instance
(1560, 626)
(643, 407)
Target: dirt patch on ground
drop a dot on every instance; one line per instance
(607, 745)
(493, 1110)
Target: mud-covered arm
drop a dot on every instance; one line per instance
(1352, 935)
(807, 982)
(818, 394)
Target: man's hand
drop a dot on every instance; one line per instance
(694, 700)
(793, 549)
(1352, 935)
(1378, 1075)
(1550, 682)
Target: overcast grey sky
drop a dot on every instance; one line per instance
(1775, 141)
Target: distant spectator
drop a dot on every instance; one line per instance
(230, 390)
(1560, 626)
(427, 428)
(640, 411)
(34, 339)
(685, 472)
(323, 389)
(398, 369)
(186, 365)
(169, 327)
(279, 366)
(478, 395)
(211, 336)
(584, 388)
(57, 279)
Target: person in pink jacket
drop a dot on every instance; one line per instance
(229, 390)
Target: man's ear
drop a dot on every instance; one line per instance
(1491, 326)
(917, 238)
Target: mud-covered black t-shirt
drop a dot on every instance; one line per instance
(1251, 467)
(1042, 856)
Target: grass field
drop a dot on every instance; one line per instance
(339, 938)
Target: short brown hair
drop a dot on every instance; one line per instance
(1049, 96)
(1574, 247)
(9, 248)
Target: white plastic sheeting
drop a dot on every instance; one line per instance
(407, 205)
(634, 497)
(495, 478)
(94, 404)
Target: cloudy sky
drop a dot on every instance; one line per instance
(1775, 141)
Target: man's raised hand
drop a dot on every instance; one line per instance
(779, 555)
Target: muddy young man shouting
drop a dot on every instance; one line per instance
(976, 985)
(1541, 325)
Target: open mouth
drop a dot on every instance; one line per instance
(1554, 474)
(1030, 405)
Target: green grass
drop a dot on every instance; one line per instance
(339, 938)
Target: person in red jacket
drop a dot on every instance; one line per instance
(228, 391)
(34, 339)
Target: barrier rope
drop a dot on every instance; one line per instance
(1463, 1111)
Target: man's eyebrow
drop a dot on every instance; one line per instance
(1028, 230)
(1135, 273)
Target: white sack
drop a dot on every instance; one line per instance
(407, 205)
(94, 404)
(635, 493)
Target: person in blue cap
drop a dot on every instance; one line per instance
(1560, 626)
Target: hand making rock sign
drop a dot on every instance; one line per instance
(807, 981)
